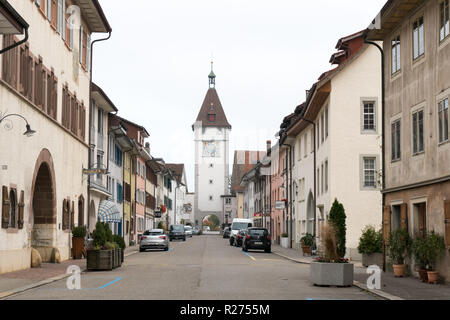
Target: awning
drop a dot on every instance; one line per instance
(108, 212)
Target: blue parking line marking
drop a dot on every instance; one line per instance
(110, 283)
(248, 255)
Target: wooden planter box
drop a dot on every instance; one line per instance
(77, 247)
(122, 254)
(118, 257)
(332, 274)
(372, 259)
(99, 259)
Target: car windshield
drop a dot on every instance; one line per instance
(178, 228)
(187, 228)
(240, 225)
(152, 233)
(259, 232)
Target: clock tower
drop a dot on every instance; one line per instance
(211, 140)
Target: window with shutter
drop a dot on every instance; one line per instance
(12, 208)
(404, 216)
(5, 207)
(54, 18)
(21, 209)
(64, 214)
(72, 216)
(447, 222)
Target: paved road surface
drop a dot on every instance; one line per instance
(204, 267)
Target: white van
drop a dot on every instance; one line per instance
(237, 225)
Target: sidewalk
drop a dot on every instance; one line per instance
(393, 288)
(23, 280)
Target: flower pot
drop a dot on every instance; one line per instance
(423, 275)
(306, 250)
(432, 277)
(99, 260)
(332, 274)
(77, 247)
(285, 243)
(399, 270)
(374, 259)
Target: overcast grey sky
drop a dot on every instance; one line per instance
(266, 54)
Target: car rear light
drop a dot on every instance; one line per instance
(247, 237)
(269, 238)
(239, 236)
(163, 237)
(143, 237)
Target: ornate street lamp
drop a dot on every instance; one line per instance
(29, 131)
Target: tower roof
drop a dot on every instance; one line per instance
(211, 113)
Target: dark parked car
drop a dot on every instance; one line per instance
(239, 238)
(176, 232)
(257, 238)
(226, 233)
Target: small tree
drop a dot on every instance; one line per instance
(371, 241)
(99, 235)
(160, 225)
(108, 233)
(337, 220)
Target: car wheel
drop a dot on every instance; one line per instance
(231, 241)
(244, 249)
(268, 250)
(184, 239)
(166, 249)
(141, 250)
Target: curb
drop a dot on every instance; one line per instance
(357, 284)
(6, 294)
(10, 293)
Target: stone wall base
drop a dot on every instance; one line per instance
(15, 260)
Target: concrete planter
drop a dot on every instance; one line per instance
(332, 274)
(285, 243)
(372, 259)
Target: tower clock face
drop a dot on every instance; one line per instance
(210, 149)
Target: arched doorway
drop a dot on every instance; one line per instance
(310, 214)
(44, 209)
(92, 216)
(81, 211)
(212, 221)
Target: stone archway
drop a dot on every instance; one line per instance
(310, 214)
(219, 222)
(92, 216)
(43, 217)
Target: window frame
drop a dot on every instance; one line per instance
(363, 170)
(398, 149)
(445, 111)
(415, 140)
(374, 101)
(444, 25)
(398, 57)
(420, 21)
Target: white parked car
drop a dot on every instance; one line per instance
(188, 231)
(237, 225)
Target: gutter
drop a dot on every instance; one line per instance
(17, 43)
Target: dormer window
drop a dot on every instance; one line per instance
(211, 117)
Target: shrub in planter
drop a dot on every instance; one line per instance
(337, 219)
(284, 240)
(101, 256)
(119, 240)
(371, 246)
(307, 242)
(435, 244)
(399, 249)
(331, 269)
(78, 235)
(420, 253)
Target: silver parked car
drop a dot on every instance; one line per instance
(154, 239)
(188, 231)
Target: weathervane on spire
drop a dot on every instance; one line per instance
(212, 77)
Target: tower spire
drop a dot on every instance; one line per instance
(212, 77)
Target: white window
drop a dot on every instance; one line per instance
(443, 120)
(396, 55)
(369, 116)
(370, 173)
(322, 124)
(305, 145)
(326, 176)
(326, 123)
(417, 127)
(444, 20)
(418, 38)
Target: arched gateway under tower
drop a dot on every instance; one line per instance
(211, 140)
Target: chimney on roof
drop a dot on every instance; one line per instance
(147, 147)
(269, 146)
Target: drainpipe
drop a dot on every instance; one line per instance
(17, 43)
(383, 128)
(289, 192)
(90, 118)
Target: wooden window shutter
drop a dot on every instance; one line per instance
(404, 215)
(5, 207)
(447, 223)
(64, 217)
(72, 215)
(387, 223)
(54, 11)
(67, 30)
(21, 208)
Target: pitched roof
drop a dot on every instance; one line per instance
(244, 161)
(212, 105)
(10, 20)
(177, 169)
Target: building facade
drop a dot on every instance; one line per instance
(417, 153)
(46, 80)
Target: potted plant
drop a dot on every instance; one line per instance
(78, 236)
(420, 252)
(371, 247)
(435, 244)
(284, 240)
(307, 242)
(399, 249)
(332, 269)
(99, 257)
(121, 243)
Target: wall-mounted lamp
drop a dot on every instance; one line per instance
(29, 131)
